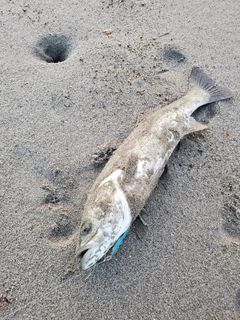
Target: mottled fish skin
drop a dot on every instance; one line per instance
(123, 187)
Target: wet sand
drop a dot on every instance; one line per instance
(56, 116)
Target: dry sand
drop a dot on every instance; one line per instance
(55, 116)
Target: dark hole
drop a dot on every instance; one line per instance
(53, 49)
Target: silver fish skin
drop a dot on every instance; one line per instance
(124, 185)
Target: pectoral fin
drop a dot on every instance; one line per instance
(195, 126)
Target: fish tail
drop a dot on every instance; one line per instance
(202, 80)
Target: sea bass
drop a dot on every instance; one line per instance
(124, 185)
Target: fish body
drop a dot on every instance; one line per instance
(124, 185)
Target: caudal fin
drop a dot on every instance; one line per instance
(199, 78)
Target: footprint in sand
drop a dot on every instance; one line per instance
(231, 218)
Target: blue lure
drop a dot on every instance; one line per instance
(119, 241)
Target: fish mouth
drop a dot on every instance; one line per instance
(88, 257)
(81, 254)
(91, 249)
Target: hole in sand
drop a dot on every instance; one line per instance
(172, 54)
(53, 48)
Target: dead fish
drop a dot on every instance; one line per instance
(123, 187)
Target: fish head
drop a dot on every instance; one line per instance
(105, 218)
(91, 243)
(95, 240)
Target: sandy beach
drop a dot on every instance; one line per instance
(76, 76)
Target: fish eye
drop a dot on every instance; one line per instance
(86, 228)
